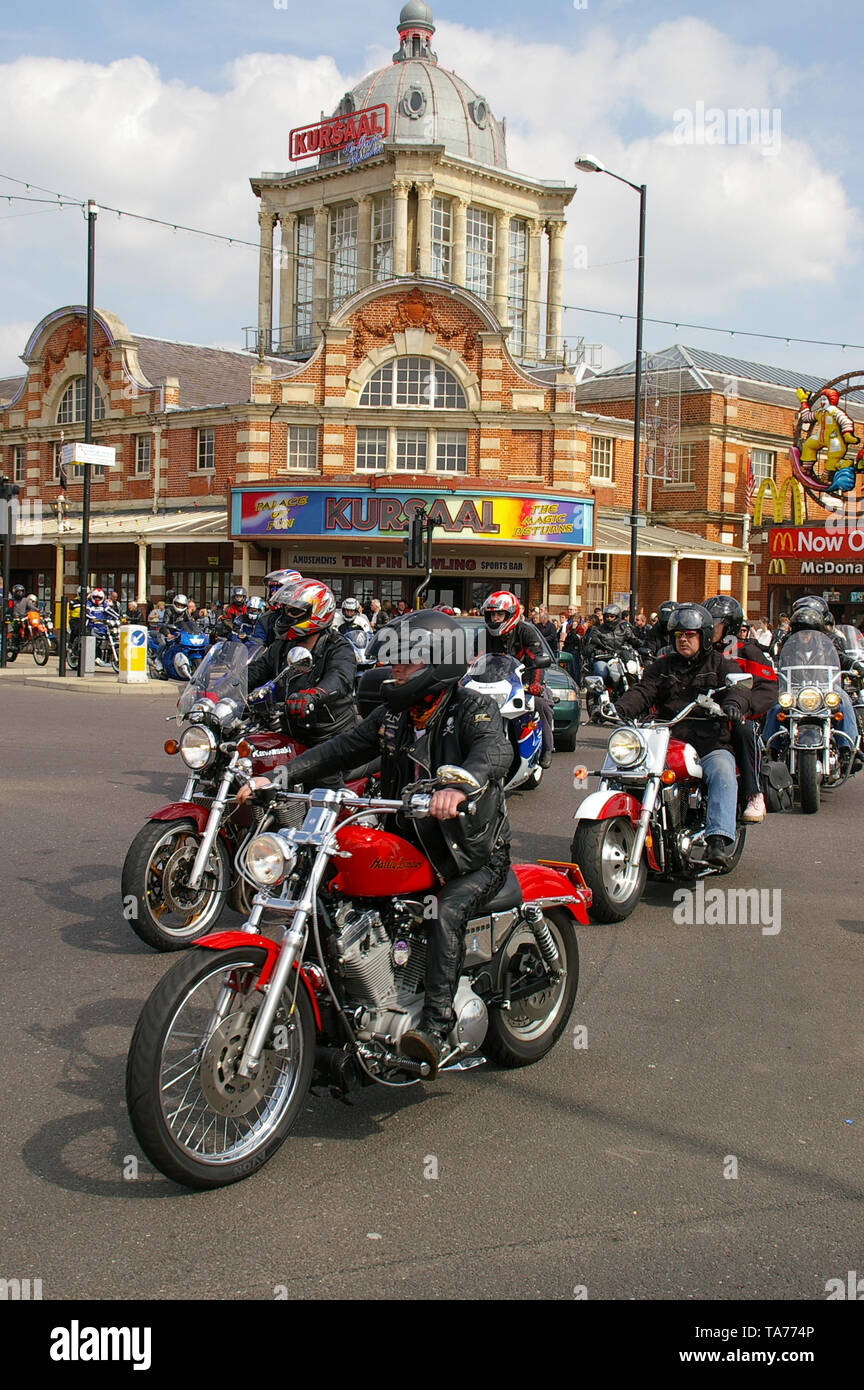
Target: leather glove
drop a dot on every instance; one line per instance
(735, 714)
(301, 705)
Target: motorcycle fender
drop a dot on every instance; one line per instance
(227, 940)
(548, 888)
(809, 736)
(606, 805)
(184, 810)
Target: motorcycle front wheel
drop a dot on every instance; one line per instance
(533, 1023)
(157, 902)
(41, 650)
(197, 1120)
(602, 851)
(808, 780)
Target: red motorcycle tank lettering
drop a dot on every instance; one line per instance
(382, 865)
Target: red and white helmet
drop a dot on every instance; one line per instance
(501, 612)
(277, 579)
(304, 608)
(97, 595)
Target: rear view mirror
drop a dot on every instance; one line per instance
(742, 678)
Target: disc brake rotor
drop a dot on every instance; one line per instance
(176, 893)
(225, 1091)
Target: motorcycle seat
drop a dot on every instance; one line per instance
(509, 895)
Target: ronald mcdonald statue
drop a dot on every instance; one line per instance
(830, 428)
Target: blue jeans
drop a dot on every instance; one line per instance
(848, 726)
(721, 787)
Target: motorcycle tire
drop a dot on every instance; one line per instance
(808, 781)
(180, 1083)
(600, 848)
(11, 651)
(151, 913)
(41, 650)
(531, 1026)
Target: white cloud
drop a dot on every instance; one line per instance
(723, 220)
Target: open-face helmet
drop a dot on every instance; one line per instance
(303, 609)
(238, 595)
(693, 617)
(501, 612)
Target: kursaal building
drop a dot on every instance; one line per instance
(408, 352)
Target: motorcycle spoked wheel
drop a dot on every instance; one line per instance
(196, 1120)
(11, 650)
(602, 850)
(41, 649)
(532, 1025)
(167, 915)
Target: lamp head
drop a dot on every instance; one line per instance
(589, 165)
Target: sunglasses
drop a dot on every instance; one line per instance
(687, 632)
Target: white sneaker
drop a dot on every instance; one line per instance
(754, 811)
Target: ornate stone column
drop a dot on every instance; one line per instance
(321, 272)
(364, 241)
(460, 229)
(554, 291)
(401, 189)
(502, 265)
(287, 279)
(266, 222)
(425, 194)
(532, 308)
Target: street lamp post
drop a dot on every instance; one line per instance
(92, 212)
(588, 165)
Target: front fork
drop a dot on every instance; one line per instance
(211, 830)
(648, 803)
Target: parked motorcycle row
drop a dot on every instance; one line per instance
(327, 971)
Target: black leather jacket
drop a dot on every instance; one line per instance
(333, 670)
(465, 730)
(602, 641)
(672, 682)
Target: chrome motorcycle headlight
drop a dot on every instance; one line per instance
(626, 747)
(832, 699)
(786, 700)
(197, 747)
(809, 698)
(269, 859)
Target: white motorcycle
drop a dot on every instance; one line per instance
(499, 677)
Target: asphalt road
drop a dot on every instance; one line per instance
(608, 1167)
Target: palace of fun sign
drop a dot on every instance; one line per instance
(361, 133)
(532, 519)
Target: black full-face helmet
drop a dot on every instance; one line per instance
(664, 613)
(694, 617)
(429, 637)
(809, 601)
(723, 608)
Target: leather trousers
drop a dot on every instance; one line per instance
(458, 901)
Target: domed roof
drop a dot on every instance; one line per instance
(429, 105)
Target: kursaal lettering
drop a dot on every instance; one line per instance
(77, 1343)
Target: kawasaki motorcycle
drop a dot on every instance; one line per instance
(230, 1041)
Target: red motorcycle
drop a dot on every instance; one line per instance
(179, 873)
(231, 1039)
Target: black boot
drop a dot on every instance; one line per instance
(424, 1044)
(717, 850)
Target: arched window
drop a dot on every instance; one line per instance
(414, 381)
(72, 407)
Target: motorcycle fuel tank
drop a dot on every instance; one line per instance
(381, 865)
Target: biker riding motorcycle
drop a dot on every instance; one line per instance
(810, 613)
(427, 721)
(19, 607)
(659, 633)
(509, 634)
(237, 604)
(728, 617)
(318, 702)
(610, 638)
(351, 615)
(673, 681)
(273, 582)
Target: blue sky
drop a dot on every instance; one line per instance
(169, 109)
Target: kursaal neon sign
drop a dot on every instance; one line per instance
(362, 130)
